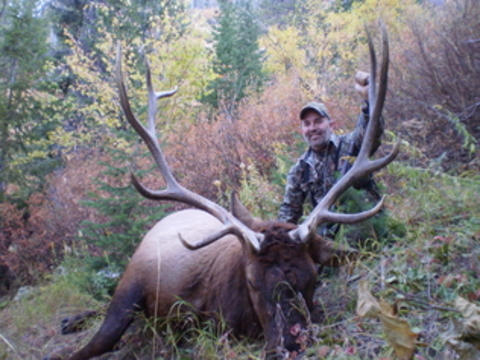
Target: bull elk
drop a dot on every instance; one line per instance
(252, 273)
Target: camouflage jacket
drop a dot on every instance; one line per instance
(315, 172)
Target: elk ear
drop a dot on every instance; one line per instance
(241, 213)
(329, 253)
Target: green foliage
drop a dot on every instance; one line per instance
(469, 141)
(127, 20)
(372, 234)
(258, 193)
(130, 20)
(27, 98)
(422, 272)
(44, 301)
(238, 59)
(441, 213)
(69, 16)
(324, 46)
(276, 12)
(262, 193)
(177, 58)
(342, 6)
(123, 219)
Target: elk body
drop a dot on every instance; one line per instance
(259, 276)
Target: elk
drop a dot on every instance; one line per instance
(252, 273)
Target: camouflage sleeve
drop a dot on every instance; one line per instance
(358, 133)
(292, 207)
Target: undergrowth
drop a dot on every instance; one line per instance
(421, 273)
(29, 326)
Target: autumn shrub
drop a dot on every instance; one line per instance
(210, 156)
(30, 242)
(433, 101)
(250, 153)
(434, 94)
(12, 225)
(34, 240)
(89, 209)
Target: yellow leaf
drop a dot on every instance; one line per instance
(397, 331)
(454, 338)
(399, 336)
(367, 305)
(471, 323)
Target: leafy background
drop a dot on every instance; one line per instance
(70, 220)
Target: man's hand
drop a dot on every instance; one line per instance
(361, 84)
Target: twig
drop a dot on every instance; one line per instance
(8, 343)
(411, 298)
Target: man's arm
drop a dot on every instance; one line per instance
(291, 209)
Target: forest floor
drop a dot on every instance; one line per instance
(429, 276)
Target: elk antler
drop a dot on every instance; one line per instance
(174, 191)
(363, 165)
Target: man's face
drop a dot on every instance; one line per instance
(316, 130)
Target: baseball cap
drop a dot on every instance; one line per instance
(318, 107)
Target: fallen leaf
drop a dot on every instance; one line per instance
(464, 336)
(351, 350)
(397, 331)
(367, 305)
(323, 351)
(471, 323)
(399, 336)
(446, 280)
(387, 308)
(474, 295)
(337, 350)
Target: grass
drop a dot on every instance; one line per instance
(28, 325)
(422, 273)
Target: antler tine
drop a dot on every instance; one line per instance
(372, 83)
(174, 191)
(147, 134)
(376, 97)
(363, 165)
(153, 96)
(210, 239)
